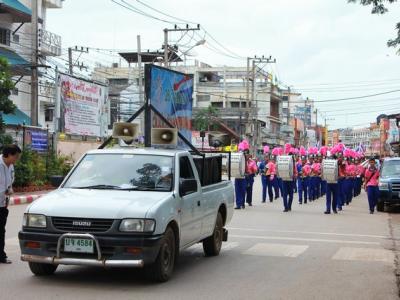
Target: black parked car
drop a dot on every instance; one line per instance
(389, 183)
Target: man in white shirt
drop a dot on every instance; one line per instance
(10, 156)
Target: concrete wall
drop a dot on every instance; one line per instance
(76, 148)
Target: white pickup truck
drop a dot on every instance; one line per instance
(129, 208)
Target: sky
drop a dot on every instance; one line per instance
(325, 49)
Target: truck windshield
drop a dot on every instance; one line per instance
(391, 168)
(123, 172)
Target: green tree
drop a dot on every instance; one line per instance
(6, 85)
(204, 118)
(379, 7)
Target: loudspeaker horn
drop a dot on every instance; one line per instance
(125, 131)
(164, 136)
(217, 139)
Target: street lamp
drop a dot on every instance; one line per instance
(198, 43)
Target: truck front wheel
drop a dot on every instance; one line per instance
(42, 269)
(161, 270)
(212, 244)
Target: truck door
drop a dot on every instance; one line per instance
(191, 212)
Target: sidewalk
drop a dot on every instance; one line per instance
(23, 198)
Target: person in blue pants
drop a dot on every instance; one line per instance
(302, 181)
(240, 191)
(266, 180)
(332, 193)
(249, 189)
(371, 183)
(287, 191)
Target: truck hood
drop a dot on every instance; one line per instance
(108, 204)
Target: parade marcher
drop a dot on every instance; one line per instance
(350, 170)
(276, 182)
(332, 191)
(324, 153)
(267, 171)
(303, 171)
(241, 183)
(359, 174)
(315, 171)
(9, 157)
(251, 171)
(296, 159)
(287, 184)
(371, 184)
(341, 199)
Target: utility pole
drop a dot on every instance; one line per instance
(139, 53)
(166, 31)
(72, 64)
(34, 75)
(288, 106)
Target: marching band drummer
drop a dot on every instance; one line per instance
(332, 190)
(287, 185)
(241, 182)
(267, 171)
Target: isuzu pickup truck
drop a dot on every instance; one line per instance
(129, 208)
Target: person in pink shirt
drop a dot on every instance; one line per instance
(359, 176)
(251, 170)
(371, 184)
(350, 176)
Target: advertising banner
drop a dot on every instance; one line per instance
(170, 93)
(36, 139)
(83, 106)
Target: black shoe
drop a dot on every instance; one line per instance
(250, 204)
(243, 207)
(285, 210)
(371, 212)
(290, 209)
(263, 201)
(339, 209)
(300, 203)
(5, 261)
(237, 207)
(270, 201)
(327, 212)
(335, 211)
(276, 197)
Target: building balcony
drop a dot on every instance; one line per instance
(50, 43)
(53, 3)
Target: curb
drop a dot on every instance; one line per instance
(23, 199)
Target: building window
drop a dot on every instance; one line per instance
(235, 104)
(217, 104)
(5, 36)
(203, 98)
(48, 115)
(243, 104)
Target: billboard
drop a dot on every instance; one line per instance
(170, 93)
(83, 105)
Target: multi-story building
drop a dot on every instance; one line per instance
(244, 111)
(16, 45)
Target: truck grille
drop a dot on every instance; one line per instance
(396, 187)
(81, 224)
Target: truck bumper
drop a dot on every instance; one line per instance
(389, 197)
(109, 251)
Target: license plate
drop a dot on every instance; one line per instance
(78, 245)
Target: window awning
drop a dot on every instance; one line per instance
(18, 118)
(19, 66)
(19, 12)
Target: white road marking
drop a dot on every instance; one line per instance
(264, 249)
(302, 239)
(364, 254)
(311, 232)
(226, 246)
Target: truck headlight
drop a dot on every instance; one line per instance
(33, 220)
(137, 225)
(383, 185)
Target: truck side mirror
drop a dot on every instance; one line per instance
(187, 186)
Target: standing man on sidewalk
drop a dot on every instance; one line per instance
(10, 156)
